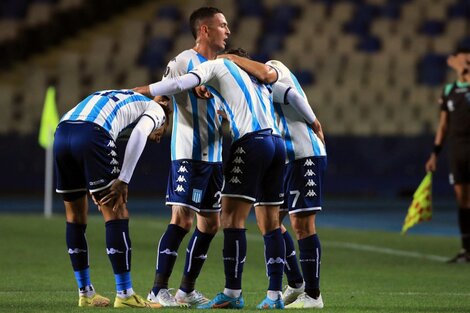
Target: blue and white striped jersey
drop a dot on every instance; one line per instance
(197, 128)
(246, 102)
(300, 140)
(115, 110)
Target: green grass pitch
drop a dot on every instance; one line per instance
(362, 271)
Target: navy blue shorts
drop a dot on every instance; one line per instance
(303, 184)
(85, 157)
(255, 169)
(195, 184)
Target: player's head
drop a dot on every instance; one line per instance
(238, 51)
(209, 26)
(460, 61)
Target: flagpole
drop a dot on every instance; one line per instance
(49, 171)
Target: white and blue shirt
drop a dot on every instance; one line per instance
(197, 128)
(246, 102)
(115, 110)
(299, 138)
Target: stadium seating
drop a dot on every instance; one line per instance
(372, 67)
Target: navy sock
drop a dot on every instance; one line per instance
(118, 245)
(310, 260)
(274, 253)
(166, 255)
(464, 225)
(196, 254)
(234, 255)
(291, 267)
(78, 251)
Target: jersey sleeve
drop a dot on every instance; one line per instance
(207, 70)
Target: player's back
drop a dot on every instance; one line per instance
(197, 130)
(296, 132)
(246, 102)
(113, 110)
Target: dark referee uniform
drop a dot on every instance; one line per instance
(455, 100)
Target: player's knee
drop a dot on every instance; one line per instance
(183, 217)
(72, 196)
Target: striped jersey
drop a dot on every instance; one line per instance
(197, 128)
(246, 102)
(115, 110)
(299, 138)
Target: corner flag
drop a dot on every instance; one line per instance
(420, 209)
(49, 119)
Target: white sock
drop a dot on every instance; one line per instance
(123, 294)
(232, 293)
(274, 294)
(87, 291)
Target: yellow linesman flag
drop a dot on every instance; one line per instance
(49, 119)
(420, 209)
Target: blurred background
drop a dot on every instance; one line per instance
(372, 69)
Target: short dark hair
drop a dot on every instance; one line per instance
(238, 51)
(200, 14)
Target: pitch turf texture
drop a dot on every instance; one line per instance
(362, 271)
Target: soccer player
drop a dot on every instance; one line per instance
(253, 171)
(305, 167)
(454, 123)
(195, 178)
(86, 159)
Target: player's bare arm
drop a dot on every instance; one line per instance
(264, 73)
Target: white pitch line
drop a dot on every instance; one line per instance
(361, 247)
(368, 248)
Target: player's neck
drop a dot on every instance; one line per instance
(205, 50)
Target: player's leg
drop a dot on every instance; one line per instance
(208, 224)
(267, 217)
(295, 281)
(235, 211)
(206, 184)
(462, 193)
(167, 252)
(76, 209)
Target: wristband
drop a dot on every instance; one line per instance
(437, 149)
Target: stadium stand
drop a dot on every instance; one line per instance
(392, 47)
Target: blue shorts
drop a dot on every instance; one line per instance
(255, 169)
(195, 184)
(85, 157)
(303, 184)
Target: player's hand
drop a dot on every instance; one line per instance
(431, 164)
(316, 126)
(144, 90)
(202, 93)
(223, 114)
(116, 195)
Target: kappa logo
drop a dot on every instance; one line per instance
(201, 257)
(76, 251)
(113, 251)
(238, 160)
(111, 144)
(181, 179)
(182, 169)
(240, 151)
(310, 183)
(169, 252)
(112, 153)
(236, 170)
(115, 170)
(180, 188)
(309, 173)
(311, 193)
(277, 260)
(308, 162)
(235, 180)
(114, 162)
